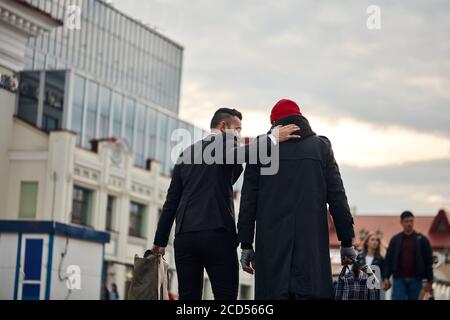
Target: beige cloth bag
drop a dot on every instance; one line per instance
(150, 278)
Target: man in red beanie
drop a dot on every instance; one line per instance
(290, 211)
(284, 108)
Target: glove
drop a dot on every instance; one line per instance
(347, 254)
(247, 257)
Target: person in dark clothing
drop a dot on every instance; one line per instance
(289, 209)
(105, 293)
(371, 251)
(409, 259)
(200, 199)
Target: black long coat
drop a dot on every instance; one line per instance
(292, 254)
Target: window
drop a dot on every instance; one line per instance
(129, 121)
(151, 124)
(53, 100)
(136, 227)
(117, 122)
(77, 106)
(50, 123)
(28, 96)
(28, 199)
(81, 205)
(91, 115)
(162, 138)
(39, 60)
(140, 136)
(168, 165)
(105, 101)
(110, 208)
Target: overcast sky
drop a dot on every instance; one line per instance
(381, 96)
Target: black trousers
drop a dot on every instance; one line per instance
(213, 250)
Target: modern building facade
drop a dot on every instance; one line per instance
(112, 47)
(71, 100)
(118, 78)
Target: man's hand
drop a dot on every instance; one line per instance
(348, 255)
(158, 250)
(247, 257)
(284, 133)
(386, 284)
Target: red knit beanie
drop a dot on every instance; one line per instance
(284, 108)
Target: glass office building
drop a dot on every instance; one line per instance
(64, 99)
(113, 47)
(111, 77)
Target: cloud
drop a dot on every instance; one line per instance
(421, 187)
(363, 144)
(382, 96)
(356, 143)
(259, 51)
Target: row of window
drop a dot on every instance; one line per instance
(82, 214)
(53, 99)
(99, 112)
(82, 204)
(112, 47)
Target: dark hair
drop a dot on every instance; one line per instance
(224, 114)
(406, 214)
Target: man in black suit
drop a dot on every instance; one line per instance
(200, 198)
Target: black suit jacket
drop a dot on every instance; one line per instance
(200, 195)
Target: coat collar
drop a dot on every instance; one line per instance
(305, 128)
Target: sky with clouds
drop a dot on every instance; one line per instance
(381, 96)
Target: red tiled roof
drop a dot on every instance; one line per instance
(435, 228)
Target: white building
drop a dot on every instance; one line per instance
(27, 267)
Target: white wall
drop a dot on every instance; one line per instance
(8, 252)
(89, 257)
(7, 103)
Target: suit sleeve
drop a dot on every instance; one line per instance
(169, 209)
(248, 206)
(337, 199)
(249, 153)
